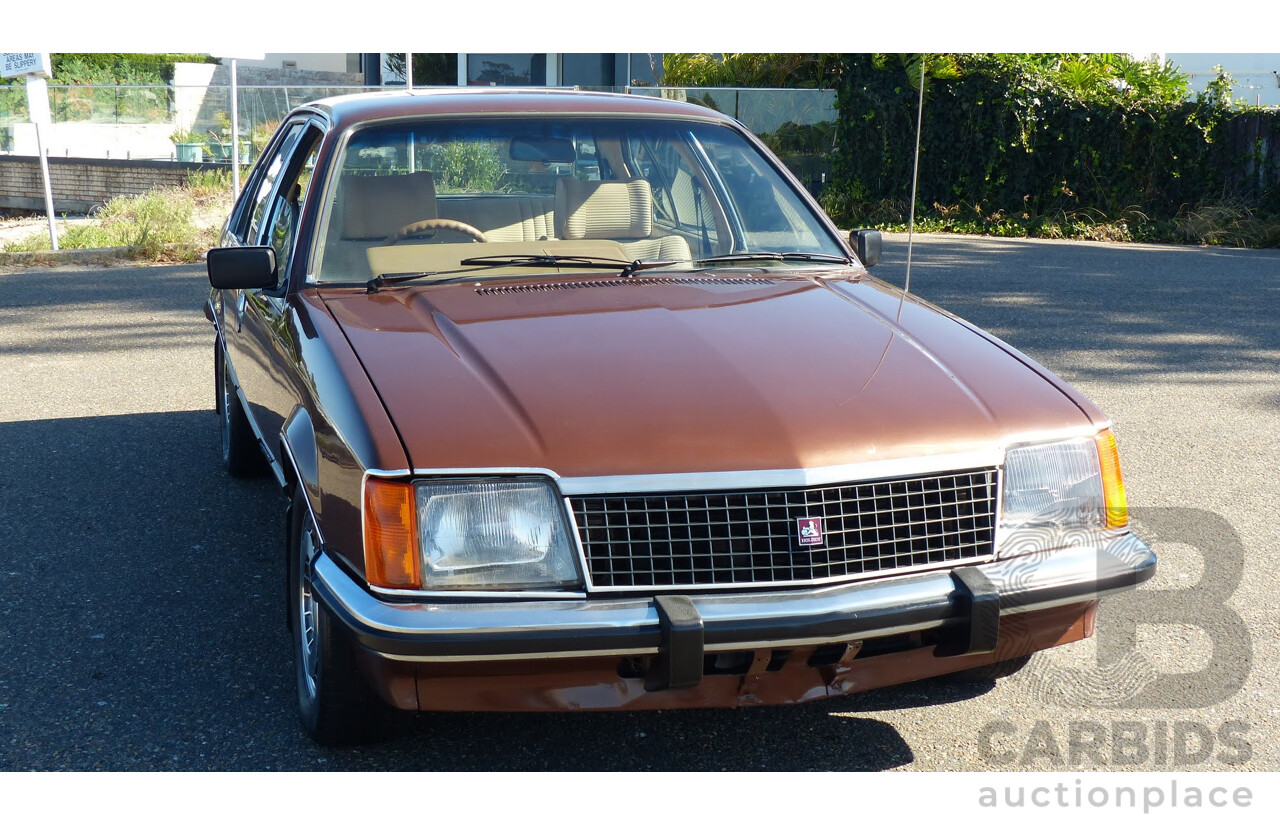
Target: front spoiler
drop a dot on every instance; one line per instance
(966, 602)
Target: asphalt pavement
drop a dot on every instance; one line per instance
(141, 623)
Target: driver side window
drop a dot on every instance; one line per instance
(276, 218)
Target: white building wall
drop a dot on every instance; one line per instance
(1255, 75)
(97, 140)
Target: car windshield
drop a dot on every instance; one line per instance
(426, 196)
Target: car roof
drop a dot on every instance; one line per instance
(348, 110)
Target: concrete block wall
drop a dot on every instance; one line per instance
(80, 184)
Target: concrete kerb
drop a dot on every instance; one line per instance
(48, 257)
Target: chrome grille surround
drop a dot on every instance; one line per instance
(750, 538)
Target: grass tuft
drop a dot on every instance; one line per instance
(1226, 222)
(165, 224)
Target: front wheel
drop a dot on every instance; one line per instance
(335, 703)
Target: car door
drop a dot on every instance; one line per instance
(256, 321)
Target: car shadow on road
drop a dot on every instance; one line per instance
(788, 738)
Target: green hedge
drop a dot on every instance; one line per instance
(126, 69)
(112, 68)
(105, 102)
(1021, 155)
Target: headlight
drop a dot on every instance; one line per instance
(469, 535)
(1061, 493)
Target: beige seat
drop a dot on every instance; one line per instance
(375, 207)
(619, 210)
(369, 210)
(502, 217)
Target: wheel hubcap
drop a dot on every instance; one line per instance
(308, 614)
(225, 418)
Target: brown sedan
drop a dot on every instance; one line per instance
(581, 402)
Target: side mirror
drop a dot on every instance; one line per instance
(242, 267)
(866, 242)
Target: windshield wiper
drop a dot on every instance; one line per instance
(744, 257)
(568, 261)
(626, 268)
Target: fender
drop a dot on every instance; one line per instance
(301, 465)
(298, 443)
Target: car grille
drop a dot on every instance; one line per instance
(752, 537)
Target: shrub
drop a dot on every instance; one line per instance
(160, 225)
(749, 69)
(463, 167)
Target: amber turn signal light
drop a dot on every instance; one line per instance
(1112, 482)
(391, 534)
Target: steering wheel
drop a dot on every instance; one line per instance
(430, 226)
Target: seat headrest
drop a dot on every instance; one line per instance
(376, 206)
(613, 209)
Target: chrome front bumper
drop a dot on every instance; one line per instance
(968, 601)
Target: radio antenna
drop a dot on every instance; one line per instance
(915, 178)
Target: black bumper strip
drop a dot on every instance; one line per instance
(978, 601)
(680, 656)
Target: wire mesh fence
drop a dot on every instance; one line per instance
(797, 124)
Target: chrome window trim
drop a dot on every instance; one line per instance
(338, 155)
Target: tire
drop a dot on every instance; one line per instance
(335, 704)
(989, 673)
(240, 451)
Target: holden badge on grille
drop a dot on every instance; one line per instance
(810, 530)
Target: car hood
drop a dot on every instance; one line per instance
(599, 377)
